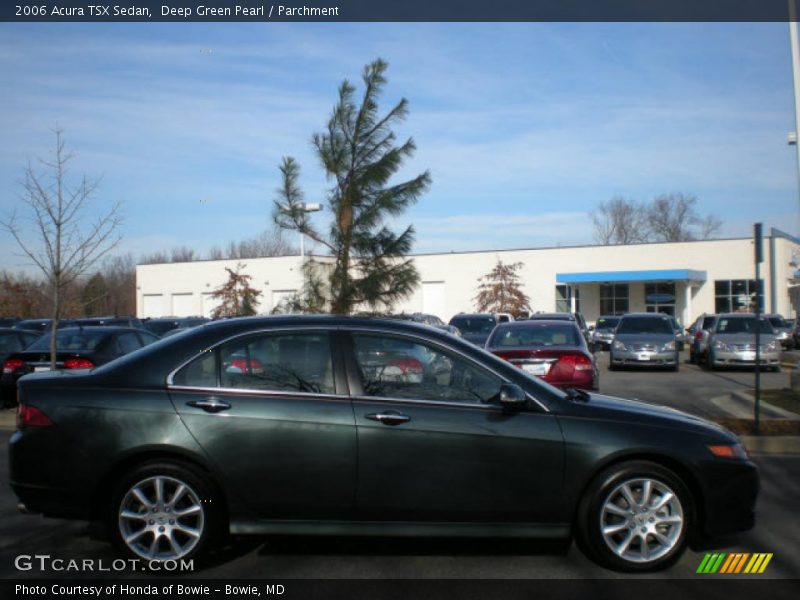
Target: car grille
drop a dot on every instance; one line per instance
(644, 347)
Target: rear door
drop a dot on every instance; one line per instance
(273, 414)
(433, 447)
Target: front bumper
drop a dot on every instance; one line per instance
(744, 359)
(729, 496)
(644, 359)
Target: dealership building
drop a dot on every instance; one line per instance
(682, 278)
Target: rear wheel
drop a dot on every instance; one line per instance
(163, 511)
(635, 517)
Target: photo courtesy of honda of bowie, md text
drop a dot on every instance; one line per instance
(262, 11)
(169, 590)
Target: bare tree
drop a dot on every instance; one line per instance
(620, 221)
(267, 243)
(67, 244)
(673, 218)
(667, 218)
(183, 254)
(120, 275)
(237, 298)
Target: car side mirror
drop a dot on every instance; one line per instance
(512, 396)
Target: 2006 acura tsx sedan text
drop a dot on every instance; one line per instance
(337, 425)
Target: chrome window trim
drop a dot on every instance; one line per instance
(443, 403)
(250, 392)
(329, 329)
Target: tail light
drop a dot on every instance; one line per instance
(251, 367)
(78, 363)
(698, 336)
(579, 362)
(30, 416)
(408, 365)
(12, 364)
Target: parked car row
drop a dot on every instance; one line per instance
(81, 344)
(729, 339)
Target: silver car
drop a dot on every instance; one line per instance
(784, 330)
(603, 332)
(732, 342)
(645, 340)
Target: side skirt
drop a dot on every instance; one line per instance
(402, 529)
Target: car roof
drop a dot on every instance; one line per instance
(553, 316)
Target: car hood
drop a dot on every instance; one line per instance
(623, 409)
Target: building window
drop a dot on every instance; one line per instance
(613, 298)
(564, 297)
(735, 295)
(660, 297)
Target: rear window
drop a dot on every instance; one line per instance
(9, 342)
(72, 340)
(533, 335)
(645, 325)
(474, 324)
(777, 322)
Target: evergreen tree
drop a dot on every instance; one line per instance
(237, 298)
(95, 296)
(501, 290)
(359, 155)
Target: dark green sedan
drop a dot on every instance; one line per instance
(337, 425)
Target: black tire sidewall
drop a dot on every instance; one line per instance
(192, 477)
(588, 533)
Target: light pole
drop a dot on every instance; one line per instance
(307, 207)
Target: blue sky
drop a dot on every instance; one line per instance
(525, 127)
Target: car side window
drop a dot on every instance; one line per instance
(201, 372)
(148, 338)
(297, 362)
(396, 367)
(127, 342)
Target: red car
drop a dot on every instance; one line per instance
(554, 351)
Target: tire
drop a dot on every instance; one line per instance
(630, 541)
(162, 536)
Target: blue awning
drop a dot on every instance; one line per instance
(627, 276)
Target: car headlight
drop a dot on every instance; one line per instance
(734, 450)
(720, 345)
(782, 335)
(619, 345)
(772, 347)
(669, 346)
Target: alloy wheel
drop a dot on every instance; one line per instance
(161, 518)
(642, 520)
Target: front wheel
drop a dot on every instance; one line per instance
(635, 517)
(163, 511)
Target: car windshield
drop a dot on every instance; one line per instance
(536, 335)
(609, 323)
(474, 324)
(72, 340)
(743, 325)
(645, 325)
(777, 322)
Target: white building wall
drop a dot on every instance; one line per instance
(454, 276)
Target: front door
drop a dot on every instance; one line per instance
(433, 446)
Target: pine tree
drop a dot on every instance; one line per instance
(237, 298)
(501, 290)
(359, 155)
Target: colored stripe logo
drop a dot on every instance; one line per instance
(735, 563)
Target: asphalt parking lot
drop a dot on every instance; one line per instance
(691, 389)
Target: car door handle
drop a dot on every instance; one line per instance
(389, 418)
(212, 405)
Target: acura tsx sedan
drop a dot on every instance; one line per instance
(340, 425)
